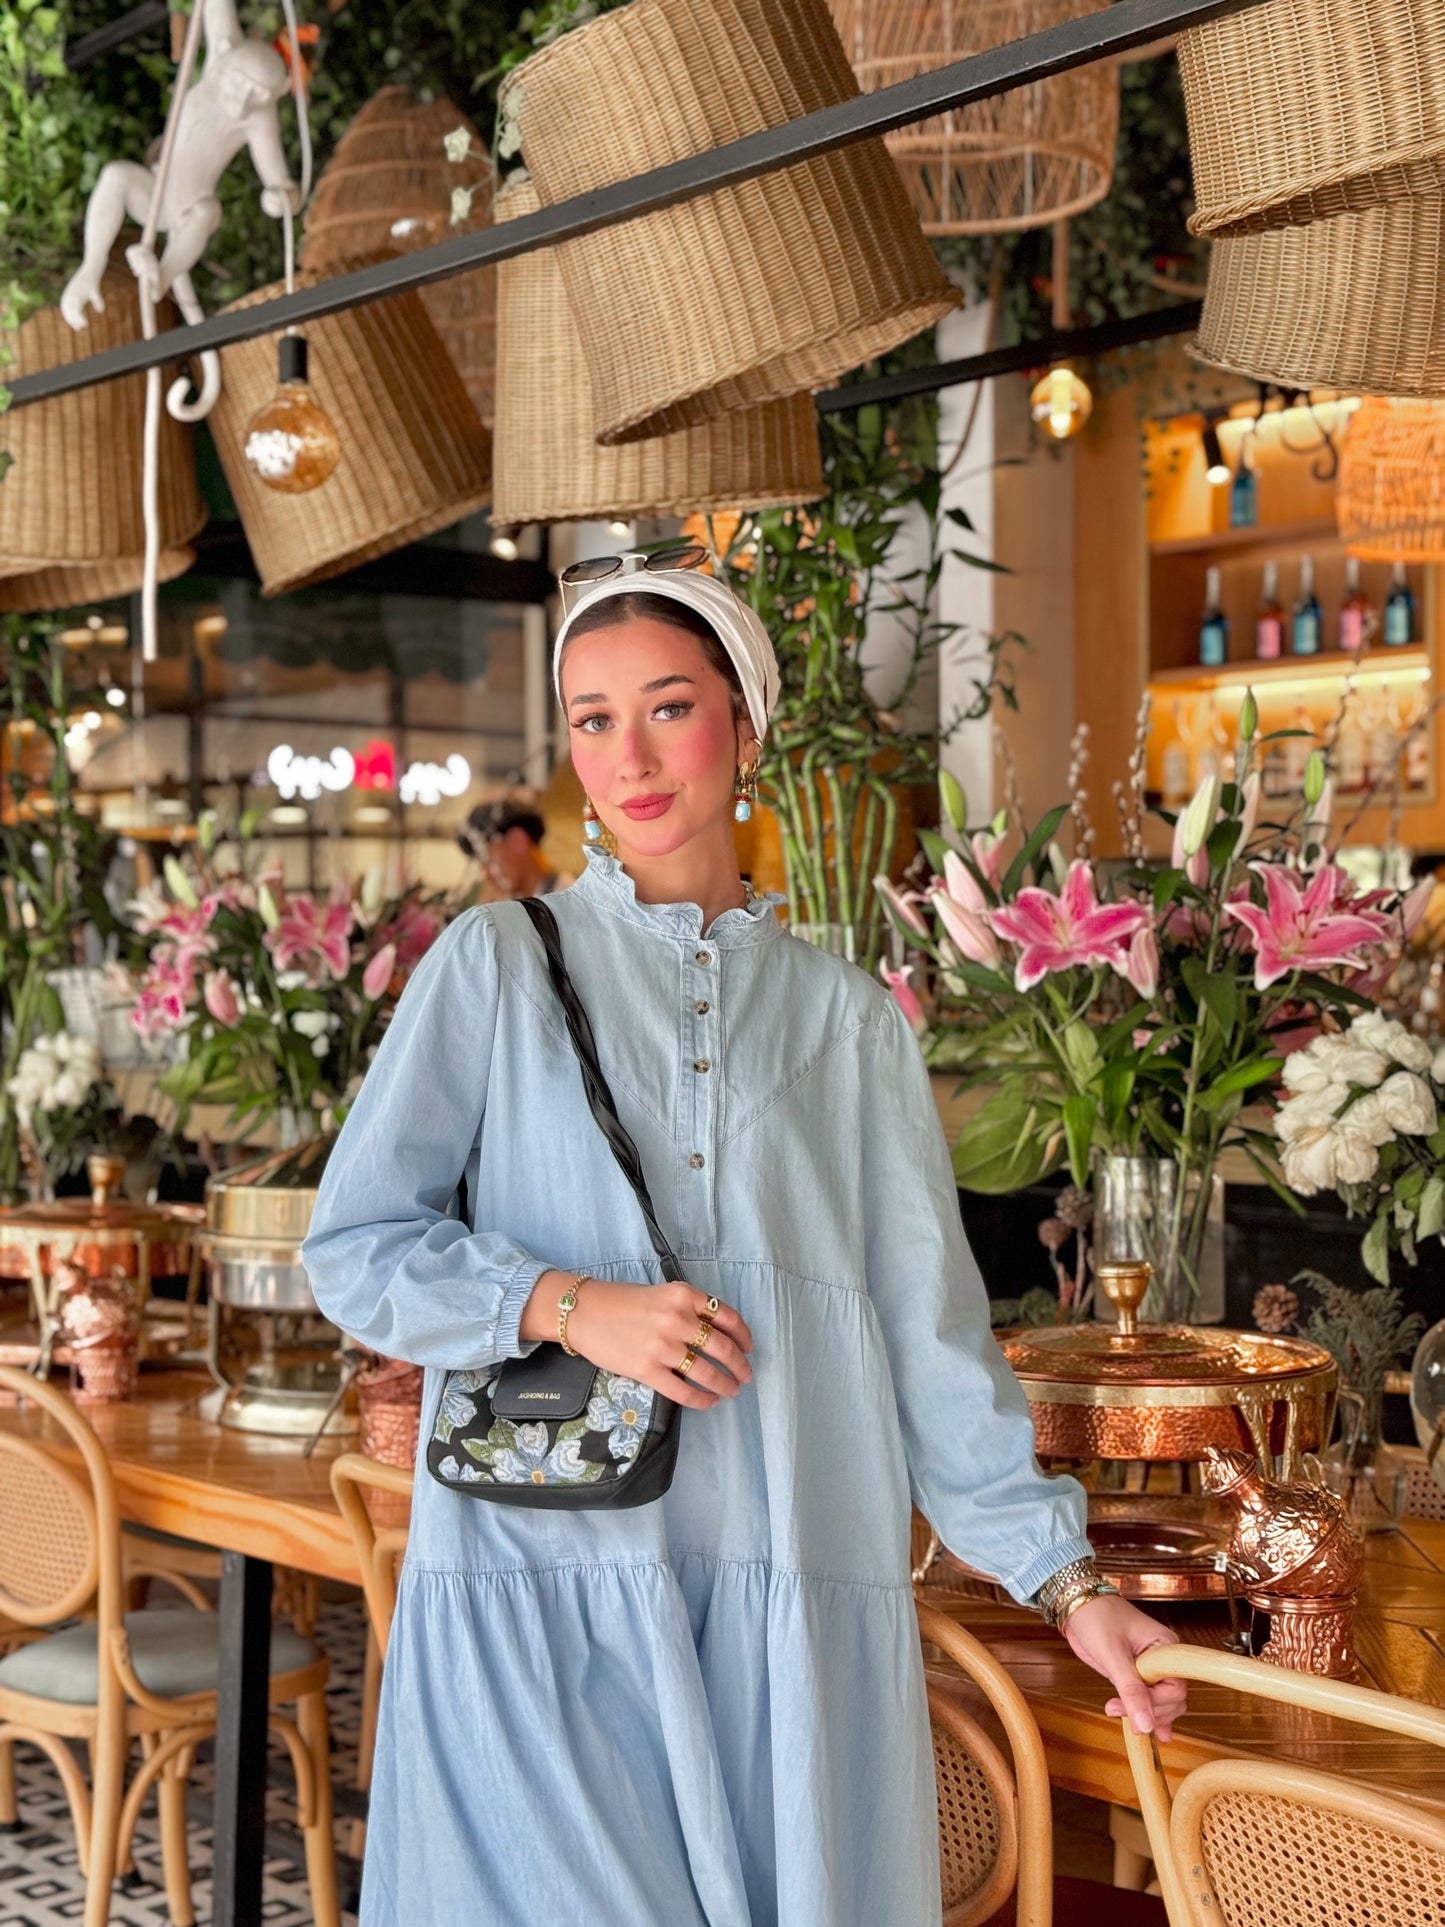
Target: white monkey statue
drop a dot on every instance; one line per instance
(232, 105)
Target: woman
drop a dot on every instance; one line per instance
(707, 1711)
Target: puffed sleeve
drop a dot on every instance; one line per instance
(387, 1261)
(967, 1434)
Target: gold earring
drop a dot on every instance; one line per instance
(746, 792)
(591, 823)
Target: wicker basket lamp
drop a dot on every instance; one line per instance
(1355, 302)
(746, 294)
(1306, 108)
(414, 456)
(388, 190)
(549, 467)
(71, 527)
(1391, 496)
(1020, 160)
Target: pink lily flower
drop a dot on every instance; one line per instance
(1195, 867)
(312, 938)
(1413, 908)
(905, 996)
(1300, 929)
(221, 999)
(413, 931)
(377, 975)
(962, 909)
(1061, 932)
(903, 905)
(988, 855)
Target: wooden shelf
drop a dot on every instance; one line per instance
(1265, 535)
(1375, 665)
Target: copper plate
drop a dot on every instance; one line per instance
(1154, 1546)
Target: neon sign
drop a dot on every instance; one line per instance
(428, 783)
(373, 768)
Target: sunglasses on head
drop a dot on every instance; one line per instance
(600, 568)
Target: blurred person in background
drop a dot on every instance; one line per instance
(505, 837)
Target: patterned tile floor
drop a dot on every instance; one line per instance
(40, 1883)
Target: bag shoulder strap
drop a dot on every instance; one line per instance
(599, 1097)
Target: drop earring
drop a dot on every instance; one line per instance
(591, 823)
(746, 792)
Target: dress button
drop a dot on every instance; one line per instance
(702, 1063)
(701, 1007)
(702, 956)
(697, 1160)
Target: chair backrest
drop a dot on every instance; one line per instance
(366, 1491)
(59, 1525)
(1255, 1843)
(995, 1824)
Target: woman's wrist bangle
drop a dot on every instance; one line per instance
(1064, 1591)
(1099, 1588)
(566, 1305)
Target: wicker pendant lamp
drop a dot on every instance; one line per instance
(388, 189)
(71, 529)
(1354, 302)
(1302, 109)
(746, 294)
(414, 456)
(1019, 160)
(549, 466)
(1391, 495)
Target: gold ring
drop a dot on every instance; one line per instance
(704, 1333)
(689, 1359)
(711, 1308)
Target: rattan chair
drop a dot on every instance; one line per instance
(112, 1678)
(1262, 1843)
(378, 1532)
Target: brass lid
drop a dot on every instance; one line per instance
(67, 1215)
(1156, 1355)
(269, 1201)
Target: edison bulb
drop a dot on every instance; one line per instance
(292, 444)
(1061, 403)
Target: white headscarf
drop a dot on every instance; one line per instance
(736, 626)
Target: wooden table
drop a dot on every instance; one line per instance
(1401, 1642)
(262, 1504)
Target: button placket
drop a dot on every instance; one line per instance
(699, 980)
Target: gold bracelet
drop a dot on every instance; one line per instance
(567, 1304)
(1081, 1596)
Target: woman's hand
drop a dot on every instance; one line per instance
(642, 1332)
(1109, 1634)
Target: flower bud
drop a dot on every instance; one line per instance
(1314, 777)
(179, 884)
(1199, 817)
(266, 904)
(954, 802)
(206, 831)
(1248, 717)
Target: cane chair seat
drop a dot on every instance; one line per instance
(175, 1652)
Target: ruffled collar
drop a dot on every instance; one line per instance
(605, 883)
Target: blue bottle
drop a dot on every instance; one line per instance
(1244, 492)
(1308, 623)
(1213, 626)
(1399, 610)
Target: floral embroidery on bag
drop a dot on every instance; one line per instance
(519, 1453)
(511, 1453)
(621, 1410)
(456, 1407)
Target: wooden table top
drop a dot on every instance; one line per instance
(1400, 1635)
(178, 1472)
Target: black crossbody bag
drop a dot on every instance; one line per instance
(552, 1430)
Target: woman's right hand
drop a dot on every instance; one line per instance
(643, 1331)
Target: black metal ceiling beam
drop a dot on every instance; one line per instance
(1040, 352)
(1073, 43)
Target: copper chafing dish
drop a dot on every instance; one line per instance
(1167, 1393)
(104, 1236)
(256, 1218)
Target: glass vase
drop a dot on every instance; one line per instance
(1135, 1217)
(1369, 1475)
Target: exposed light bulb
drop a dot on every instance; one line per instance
(115, 696)
(292, 444)
(1216, 469)
(621, 529)
(1061, 403)
(504, 545)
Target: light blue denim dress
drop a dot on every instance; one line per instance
(708, 1711)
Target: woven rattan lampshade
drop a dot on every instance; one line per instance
(71, 527)
(414, 456)
(549, 466)
(388, 190)
(1018, 160)
(1303, 108)
(1356, 302)
(1390, 500)
(747, 294)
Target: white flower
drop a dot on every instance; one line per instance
(1310, 1163)
(461, 205)
(1368, 1118)
(1348, 1064)
(458, 144)
(310, 1023)
(1355, 1158)
(320, 1046)
(1408, 1103)
(1310, 1111)
(1377, 1032)
(1437, 1065)
(1303, 1071)
(291, 980)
